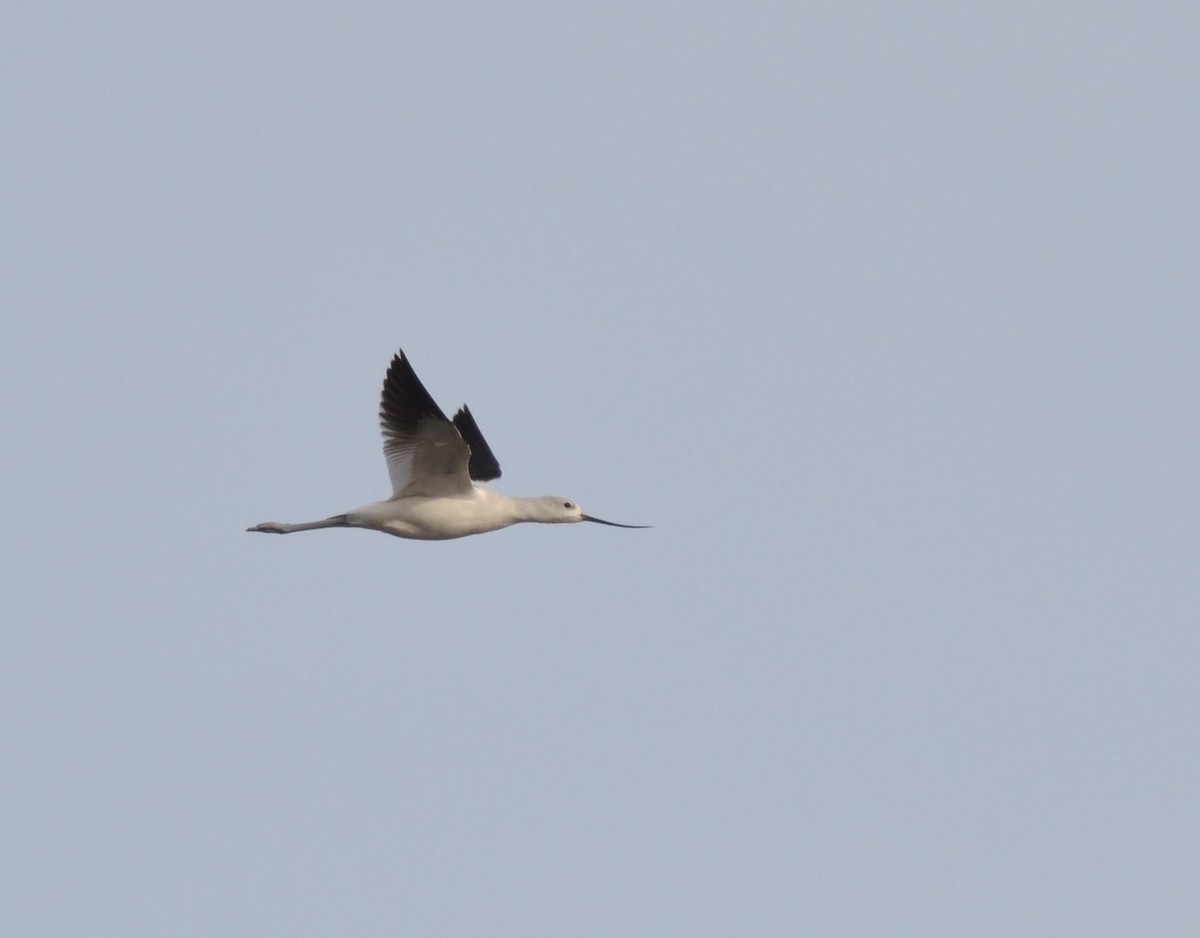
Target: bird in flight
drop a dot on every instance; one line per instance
(436, 467)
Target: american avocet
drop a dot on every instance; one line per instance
(435, 465)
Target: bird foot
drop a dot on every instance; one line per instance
(269, 527)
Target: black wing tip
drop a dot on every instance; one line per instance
(405, 402)
(483, 467)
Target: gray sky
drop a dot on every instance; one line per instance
(884, 316)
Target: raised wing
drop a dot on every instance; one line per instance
(483, 466)
(426, 453)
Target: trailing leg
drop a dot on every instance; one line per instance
(279, 527)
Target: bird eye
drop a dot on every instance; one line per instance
(567, 505)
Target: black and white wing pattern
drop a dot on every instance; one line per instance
(427, 454)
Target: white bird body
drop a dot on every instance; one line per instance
(436, 467)
(436, 519)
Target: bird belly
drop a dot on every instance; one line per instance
(430, 519)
